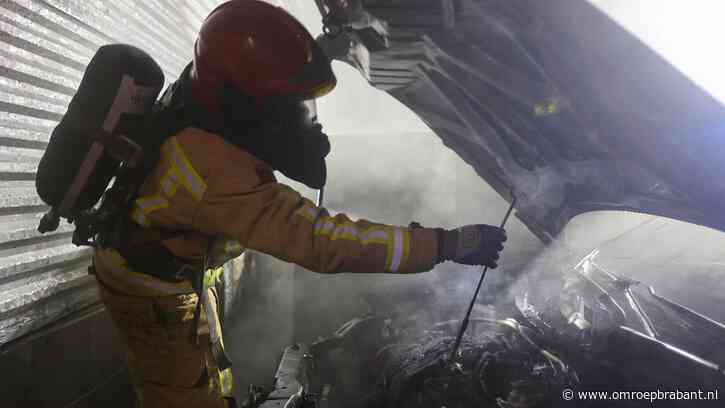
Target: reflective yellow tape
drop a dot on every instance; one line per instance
(396, 240)
(390, 249)
(232, 247)
(326, 226)
(212, 276)
(548, 107)
(406, 247)
(179, 172)
(226, 383)
(401, 248)
(152, 203)
(375, 235)
(145, 206)
(139, 217)
(191, 179)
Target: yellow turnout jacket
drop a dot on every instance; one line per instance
(211, 188)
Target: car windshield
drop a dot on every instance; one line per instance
(682, 261)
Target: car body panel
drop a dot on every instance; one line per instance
(552, 102)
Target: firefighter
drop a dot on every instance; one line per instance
(239, 115)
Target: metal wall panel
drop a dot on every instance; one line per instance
(44, 47)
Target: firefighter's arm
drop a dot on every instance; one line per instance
(244, 202)
(276, 220)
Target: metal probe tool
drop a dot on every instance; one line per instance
(321, 196)
(464, 324)
(312, 117)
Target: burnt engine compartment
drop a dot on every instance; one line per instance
(496, 366)
(591, 331)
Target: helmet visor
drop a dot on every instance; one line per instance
(316, 78)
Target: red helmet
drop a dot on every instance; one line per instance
(262, 51)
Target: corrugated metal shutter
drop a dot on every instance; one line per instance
(44, 47)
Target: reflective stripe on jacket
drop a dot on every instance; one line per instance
(207, 185)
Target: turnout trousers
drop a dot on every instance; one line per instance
(169, 356)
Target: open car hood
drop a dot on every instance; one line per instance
(550, 101)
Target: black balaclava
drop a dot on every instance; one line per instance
(277, 131)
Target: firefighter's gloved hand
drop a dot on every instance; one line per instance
(472, 245)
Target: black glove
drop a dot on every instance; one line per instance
(471, 245)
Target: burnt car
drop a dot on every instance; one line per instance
(588, 337)
(557, 105)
